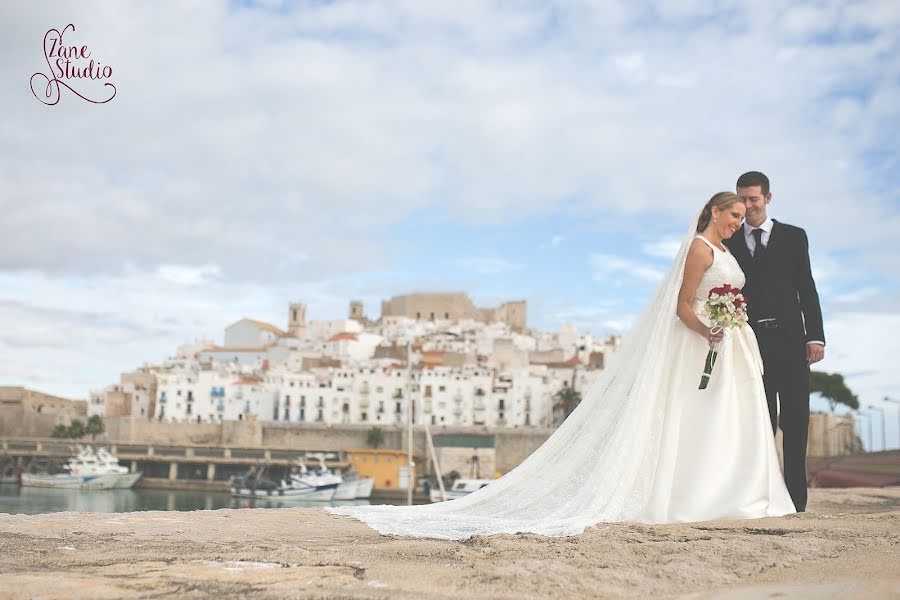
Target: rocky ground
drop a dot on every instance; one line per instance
(847, 546)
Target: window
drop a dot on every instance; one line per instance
(442, 388)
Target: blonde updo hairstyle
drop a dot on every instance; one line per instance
(722, 200)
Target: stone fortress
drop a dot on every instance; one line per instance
(448, 307)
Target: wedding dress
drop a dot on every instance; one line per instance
(645, 445)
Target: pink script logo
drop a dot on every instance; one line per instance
(69, 64)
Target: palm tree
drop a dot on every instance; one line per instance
(566, 400)
(76, 429)
(95, 426)
(375, 437)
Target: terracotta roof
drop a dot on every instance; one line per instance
(343, 336)
(433, 357)
(268, 327)
(566, 364)
(239, 349)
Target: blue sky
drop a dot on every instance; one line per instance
(263, 153)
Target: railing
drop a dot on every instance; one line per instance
(224, 454)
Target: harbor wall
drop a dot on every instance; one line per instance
(511, 446)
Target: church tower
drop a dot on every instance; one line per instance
(356, 311)
(297, 320)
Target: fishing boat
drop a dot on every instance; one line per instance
(86, 470)
(254, 484)
(460, 488)
(350, 485)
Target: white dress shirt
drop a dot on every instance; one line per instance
(767, 232)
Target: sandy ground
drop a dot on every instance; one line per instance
(847, 546)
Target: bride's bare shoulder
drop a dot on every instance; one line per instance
(699, 254)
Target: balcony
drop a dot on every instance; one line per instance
(458, 411)
(364, 402)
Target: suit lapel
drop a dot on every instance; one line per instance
(774, 237)
(742, 253)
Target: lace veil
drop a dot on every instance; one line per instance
(599, 466)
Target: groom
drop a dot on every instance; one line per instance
(784, 313)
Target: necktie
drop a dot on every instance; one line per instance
(760, 250)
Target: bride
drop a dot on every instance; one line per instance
(645, 445)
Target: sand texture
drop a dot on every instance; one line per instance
(846, 546)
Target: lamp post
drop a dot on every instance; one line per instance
(410, 480)
(883, 428)
(897, 402)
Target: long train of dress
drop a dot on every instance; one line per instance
(645, 445)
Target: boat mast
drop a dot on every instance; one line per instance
(409, 431)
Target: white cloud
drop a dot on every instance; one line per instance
(665, 248)
(271, 153)
(486, 265)
(186, 275)
(610, 267)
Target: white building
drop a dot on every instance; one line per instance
(463, 373)
(249, 333)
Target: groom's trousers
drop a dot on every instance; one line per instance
(786, 380)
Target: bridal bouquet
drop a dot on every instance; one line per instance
(727, 308)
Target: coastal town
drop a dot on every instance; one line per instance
(468, 366)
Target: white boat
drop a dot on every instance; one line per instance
(350, 485)
(364, 488)
(107, 463)
(298, 485)
(86, 470)
(460, 488)
(74, 482)
(320, 477)
(285, 489)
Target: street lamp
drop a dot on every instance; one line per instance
(883, 429)
(897, 402)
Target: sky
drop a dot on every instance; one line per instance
(262, 153)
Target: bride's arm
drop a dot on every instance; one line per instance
(699, 259)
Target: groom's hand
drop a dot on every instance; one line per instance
(814, 353)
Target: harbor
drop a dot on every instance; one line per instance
(16, 499)
(203, 476)
(846, 546)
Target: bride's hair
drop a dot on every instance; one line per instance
(722, 200)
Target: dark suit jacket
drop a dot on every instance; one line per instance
(782, 280)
